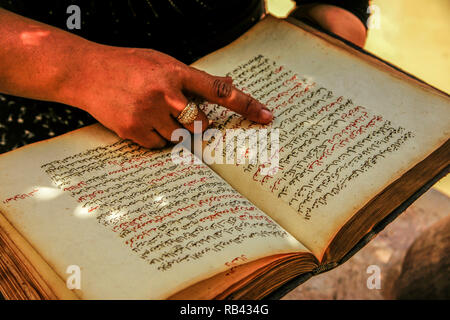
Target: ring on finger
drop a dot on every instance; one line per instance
(189, 113)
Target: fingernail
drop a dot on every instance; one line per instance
(265, 116)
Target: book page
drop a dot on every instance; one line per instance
(23, 268)
(346, 129)
(136, 224)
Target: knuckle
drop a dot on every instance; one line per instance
(146, 144)
(221, 88)
(189, 72)
(161, 144)
(152, 142)
(179, 68)
(174, 73)
(123, 133)
(126, 129)
(156, 143)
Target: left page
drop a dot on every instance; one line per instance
(137, 225)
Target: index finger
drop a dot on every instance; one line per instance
(220, 90)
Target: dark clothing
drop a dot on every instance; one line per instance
(184, 29)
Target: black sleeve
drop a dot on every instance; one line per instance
(357, 7)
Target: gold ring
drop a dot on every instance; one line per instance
(189, 113)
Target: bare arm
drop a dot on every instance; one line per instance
(36, 60)
(138, 93)
(334, 19)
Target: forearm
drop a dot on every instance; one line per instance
(38, 61)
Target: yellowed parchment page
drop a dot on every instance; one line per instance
(137, 225)
(346, 128)
(44, 277)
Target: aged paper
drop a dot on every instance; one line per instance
(346, 129)
(138, 225)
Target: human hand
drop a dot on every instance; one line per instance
(139, 93)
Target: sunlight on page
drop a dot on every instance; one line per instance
(83, 212)
(159, 199)
(46, 193)
(116, 215)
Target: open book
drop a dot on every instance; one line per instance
(356, 139)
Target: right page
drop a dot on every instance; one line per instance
(347, 128)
